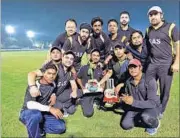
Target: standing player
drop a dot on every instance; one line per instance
(99, 39)
(161, 37)
(70, 27)
(79, 45)
(125, 29)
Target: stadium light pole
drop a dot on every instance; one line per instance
(30, 34)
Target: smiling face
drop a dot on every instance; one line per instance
(68, 60)
(70, 28)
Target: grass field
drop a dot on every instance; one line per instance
(16, 65)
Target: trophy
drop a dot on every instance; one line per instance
(92, 86)
(110, 97)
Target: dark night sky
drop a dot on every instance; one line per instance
(47, 17)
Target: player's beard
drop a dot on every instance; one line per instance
(84, 42)
(96, 34)
(137, 46)
(57, 61)
(124, 24)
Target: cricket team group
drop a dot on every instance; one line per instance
(85, 68)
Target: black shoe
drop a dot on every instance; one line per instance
(43, 134)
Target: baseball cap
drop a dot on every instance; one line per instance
(95, 49)
(154, 8)
(134, 62)
(86, 26)
(70, 52)
(120, 45)
(55, 47)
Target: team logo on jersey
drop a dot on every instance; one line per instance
(155, 41)
(60, 84)
(78, 54)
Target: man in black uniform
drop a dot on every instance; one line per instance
(114, 37)
(161, 39)
(99, 39)
(125, 29)
(70, 27)
(66, 91)
(137, 48)
(88, 72)
(79, 45)
(37, 114)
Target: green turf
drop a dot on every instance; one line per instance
(16, 65)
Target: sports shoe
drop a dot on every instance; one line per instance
(152, 131)
(96, 103)
(160, 116)
(119, 110)
(108, 105)
(65, 114)
(42, 133)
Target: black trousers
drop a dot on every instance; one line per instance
(165, 76)
(65, 102)
(147, 118)
(87, 103)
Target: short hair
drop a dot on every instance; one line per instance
(136, 31)
(70, 52)
(50, 66)
(113, 20)
(95, 19)
(71, 20)
(125, 12)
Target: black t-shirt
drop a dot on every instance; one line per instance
(84, 76)
(126, 33)
(78, 49)
(63, 78)
(142, 56)
(46, 91)
(102, 43)
(113, 43)
(159, 43)
(120, 70)
(60, 40)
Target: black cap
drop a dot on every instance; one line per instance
(120, 45)
(70, 52)
(86, 26)
(95, 49)
(55, 47)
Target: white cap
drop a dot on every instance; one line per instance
(155, 8)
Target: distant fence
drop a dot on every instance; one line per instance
(11, 50)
